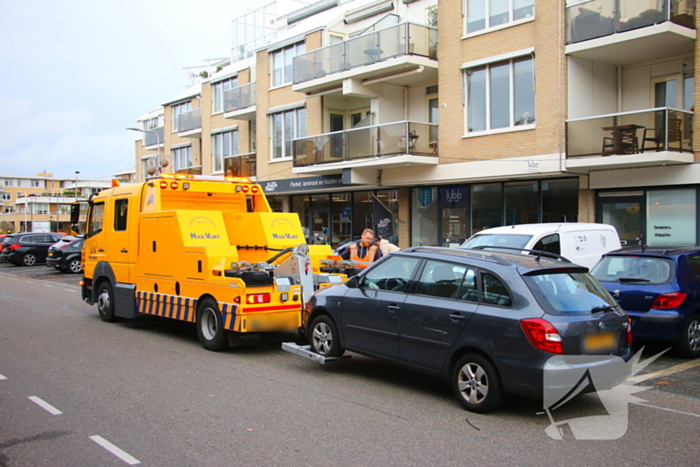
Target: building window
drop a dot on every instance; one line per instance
(671, 217)
(282, 63)
(487, 14)
(286, 126)
(151, 123)
(178, 110)
(500, 95)
(36, 184)
(217, 93)
(19, 194)
(182, 158)
(6, 196)
(40, 208)
(223, 145)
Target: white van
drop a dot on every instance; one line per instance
(580, 243)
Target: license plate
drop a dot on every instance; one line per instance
(599, 341)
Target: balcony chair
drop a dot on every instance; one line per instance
(657, 136)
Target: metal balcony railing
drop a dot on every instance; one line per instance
(241, 165)
(598, 18)
(372, 141)
(651, 130)
(189, 121)
(373, 47)
(151, 139)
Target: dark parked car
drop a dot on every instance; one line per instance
(65, 255)
(27, 249)
(488, 321)
(660, 289)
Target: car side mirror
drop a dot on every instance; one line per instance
(353, 282)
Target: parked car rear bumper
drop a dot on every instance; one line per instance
(657, 324)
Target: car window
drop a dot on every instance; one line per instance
(550, 243)
(391, 274)
(440, 279)
(77, 244)
(694, 262)
(494, 291)
(569, 293)
(504, 240)
(635, 269)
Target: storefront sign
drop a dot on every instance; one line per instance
(302, 184)
(455, 194)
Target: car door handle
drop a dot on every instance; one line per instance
(456, 317)
(393, 308)
(125, 251)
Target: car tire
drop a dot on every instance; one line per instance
(105, 302)
(689, 345)
(75, 266)
(476, 384)
(28, 260)
(210, 327)
(323, 337)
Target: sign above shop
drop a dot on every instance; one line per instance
(287, 185)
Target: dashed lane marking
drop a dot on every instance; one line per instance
(45, 405)
(126, 457)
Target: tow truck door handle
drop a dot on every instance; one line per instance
(100, 250)
(124, 250)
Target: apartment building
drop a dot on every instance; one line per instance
(455, 115)
(42, 203)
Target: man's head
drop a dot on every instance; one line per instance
(367, 238)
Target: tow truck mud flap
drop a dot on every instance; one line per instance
(305, 351)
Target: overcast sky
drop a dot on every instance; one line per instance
(75, 73)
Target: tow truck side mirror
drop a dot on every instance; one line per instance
(74, 213)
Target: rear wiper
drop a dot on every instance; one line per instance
(603, 308)
(632, 279)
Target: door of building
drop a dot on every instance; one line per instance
(454, 219)
(625, 212)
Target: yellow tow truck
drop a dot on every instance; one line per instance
(203, 250)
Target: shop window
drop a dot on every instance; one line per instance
(522, 203)
(424, 216)
(560, 200)
(671, 217)
(487, 206)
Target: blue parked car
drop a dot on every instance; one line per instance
(660, 290)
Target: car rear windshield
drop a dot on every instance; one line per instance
(504, 240)
(570, 294)
(634, 270)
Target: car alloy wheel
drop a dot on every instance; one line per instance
(75, 266)
(29, 259)
(689, 345)
(476, 384)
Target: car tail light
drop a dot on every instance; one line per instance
(254, 299)
(628, 337)
(14, 247)
(542, 335)
(668, 300)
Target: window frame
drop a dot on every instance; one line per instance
(178, 157)
(488, 96)
(218, 146)
(217, 93)
(176, 110)
(281, 62)
(285, 142)
(486, 4)
(121, 216)
(91, 230)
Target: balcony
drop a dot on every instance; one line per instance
(623, 32)
(242, 165)
(240, 102)
(157, 137)
(380, 146)
(403, 54)
(189, 124)
(645, 138)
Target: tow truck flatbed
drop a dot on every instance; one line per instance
(305, 351)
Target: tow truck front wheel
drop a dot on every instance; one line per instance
(105, 302)
(210, 328)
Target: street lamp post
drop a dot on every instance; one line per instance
(158, 160)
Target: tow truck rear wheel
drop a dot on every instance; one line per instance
(105, 302)
(210, 327)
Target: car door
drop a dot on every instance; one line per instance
(433, 317)
(372, 311)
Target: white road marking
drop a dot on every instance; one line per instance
(2, 377)
(45, 405)
(665, 372)
(115, 450)
(70, 290)
(48, 285)
(670, 410)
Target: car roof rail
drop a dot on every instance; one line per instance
(484, 255)
(538, 253)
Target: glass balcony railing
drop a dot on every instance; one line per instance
(154, 136)
(194, 170)
(598, 18)
(240, 97)
(373, 47)
(189, 121)
(360, 143)
(659, 129)
(242, 165)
